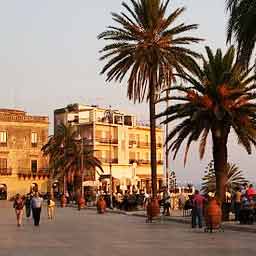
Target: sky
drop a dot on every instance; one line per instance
(49, 58)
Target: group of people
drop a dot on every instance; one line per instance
(33, 202)
(244, 197)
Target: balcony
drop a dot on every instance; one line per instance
(132, 143)
(143, 144)
(159, 145)
(5, 171)
(108, 161)
(140, 161)
(106, 140)
(28, 173)
(34, 144)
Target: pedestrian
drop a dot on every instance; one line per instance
(50, 208)
(28, 205)
(167, 202)
(18, 205)
(36, 205)
(237, 203)
(250, 192)
(197, 210)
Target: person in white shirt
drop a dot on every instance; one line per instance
(167, 202)
(36, 206)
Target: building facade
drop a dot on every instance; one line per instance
(122, 145)
(22, 165)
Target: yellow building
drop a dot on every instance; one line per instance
(119, 142)
(22, 165)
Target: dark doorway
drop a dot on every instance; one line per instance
(3, 192)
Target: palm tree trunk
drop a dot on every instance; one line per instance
(77, 185)
(220, 164)
(49, 185)
(152, 111)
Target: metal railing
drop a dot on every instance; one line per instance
(5, 171)
(106, 140)
(28, 171)
(107, 160)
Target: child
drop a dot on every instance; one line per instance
(50, 208)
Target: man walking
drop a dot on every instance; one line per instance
(167, 202)
(36, 206)
(197, 210)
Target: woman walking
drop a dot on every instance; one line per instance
(18, 206)
(51, 208)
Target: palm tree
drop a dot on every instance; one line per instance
(218, 98)
(147, 46)
(65, 153)
(241, 27)
(57, 149)
(234, 175)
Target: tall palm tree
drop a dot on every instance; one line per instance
(218, 98)
(57, 149)
(241, 27)
(235, 178)
(65, 153)
(147, 46)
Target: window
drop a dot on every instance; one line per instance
(3, 138)
(137, 138)
(33, 165)
(138, 155)
(146, 138)
(3, 163)
(34, 139)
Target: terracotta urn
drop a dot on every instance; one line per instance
(153, 209)
(101, 205)
(213, 214)
(81, 203)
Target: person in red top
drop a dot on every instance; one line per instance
(197, 210)
(250, 192)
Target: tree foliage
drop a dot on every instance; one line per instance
(235, 178)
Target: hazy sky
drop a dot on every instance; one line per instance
(49, 58)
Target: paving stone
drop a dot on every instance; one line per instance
(87, 233)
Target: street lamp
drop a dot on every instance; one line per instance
(173, 180)
(109, 116)
(80, 139)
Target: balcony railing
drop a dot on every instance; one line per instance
(5, 171)
(143, 161)
(140, 161)
(26, 172)
(106, 140)
(107, 160)
(159, 145)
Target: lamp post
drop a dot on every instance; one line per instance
(166, 146)
(173, 180)
(109, 115)
(80, 139)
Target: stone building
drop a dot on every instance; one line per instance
(22, 165)
(119, 141)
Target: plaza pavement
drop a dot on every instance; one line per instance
(87, 233)
(176, 216)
